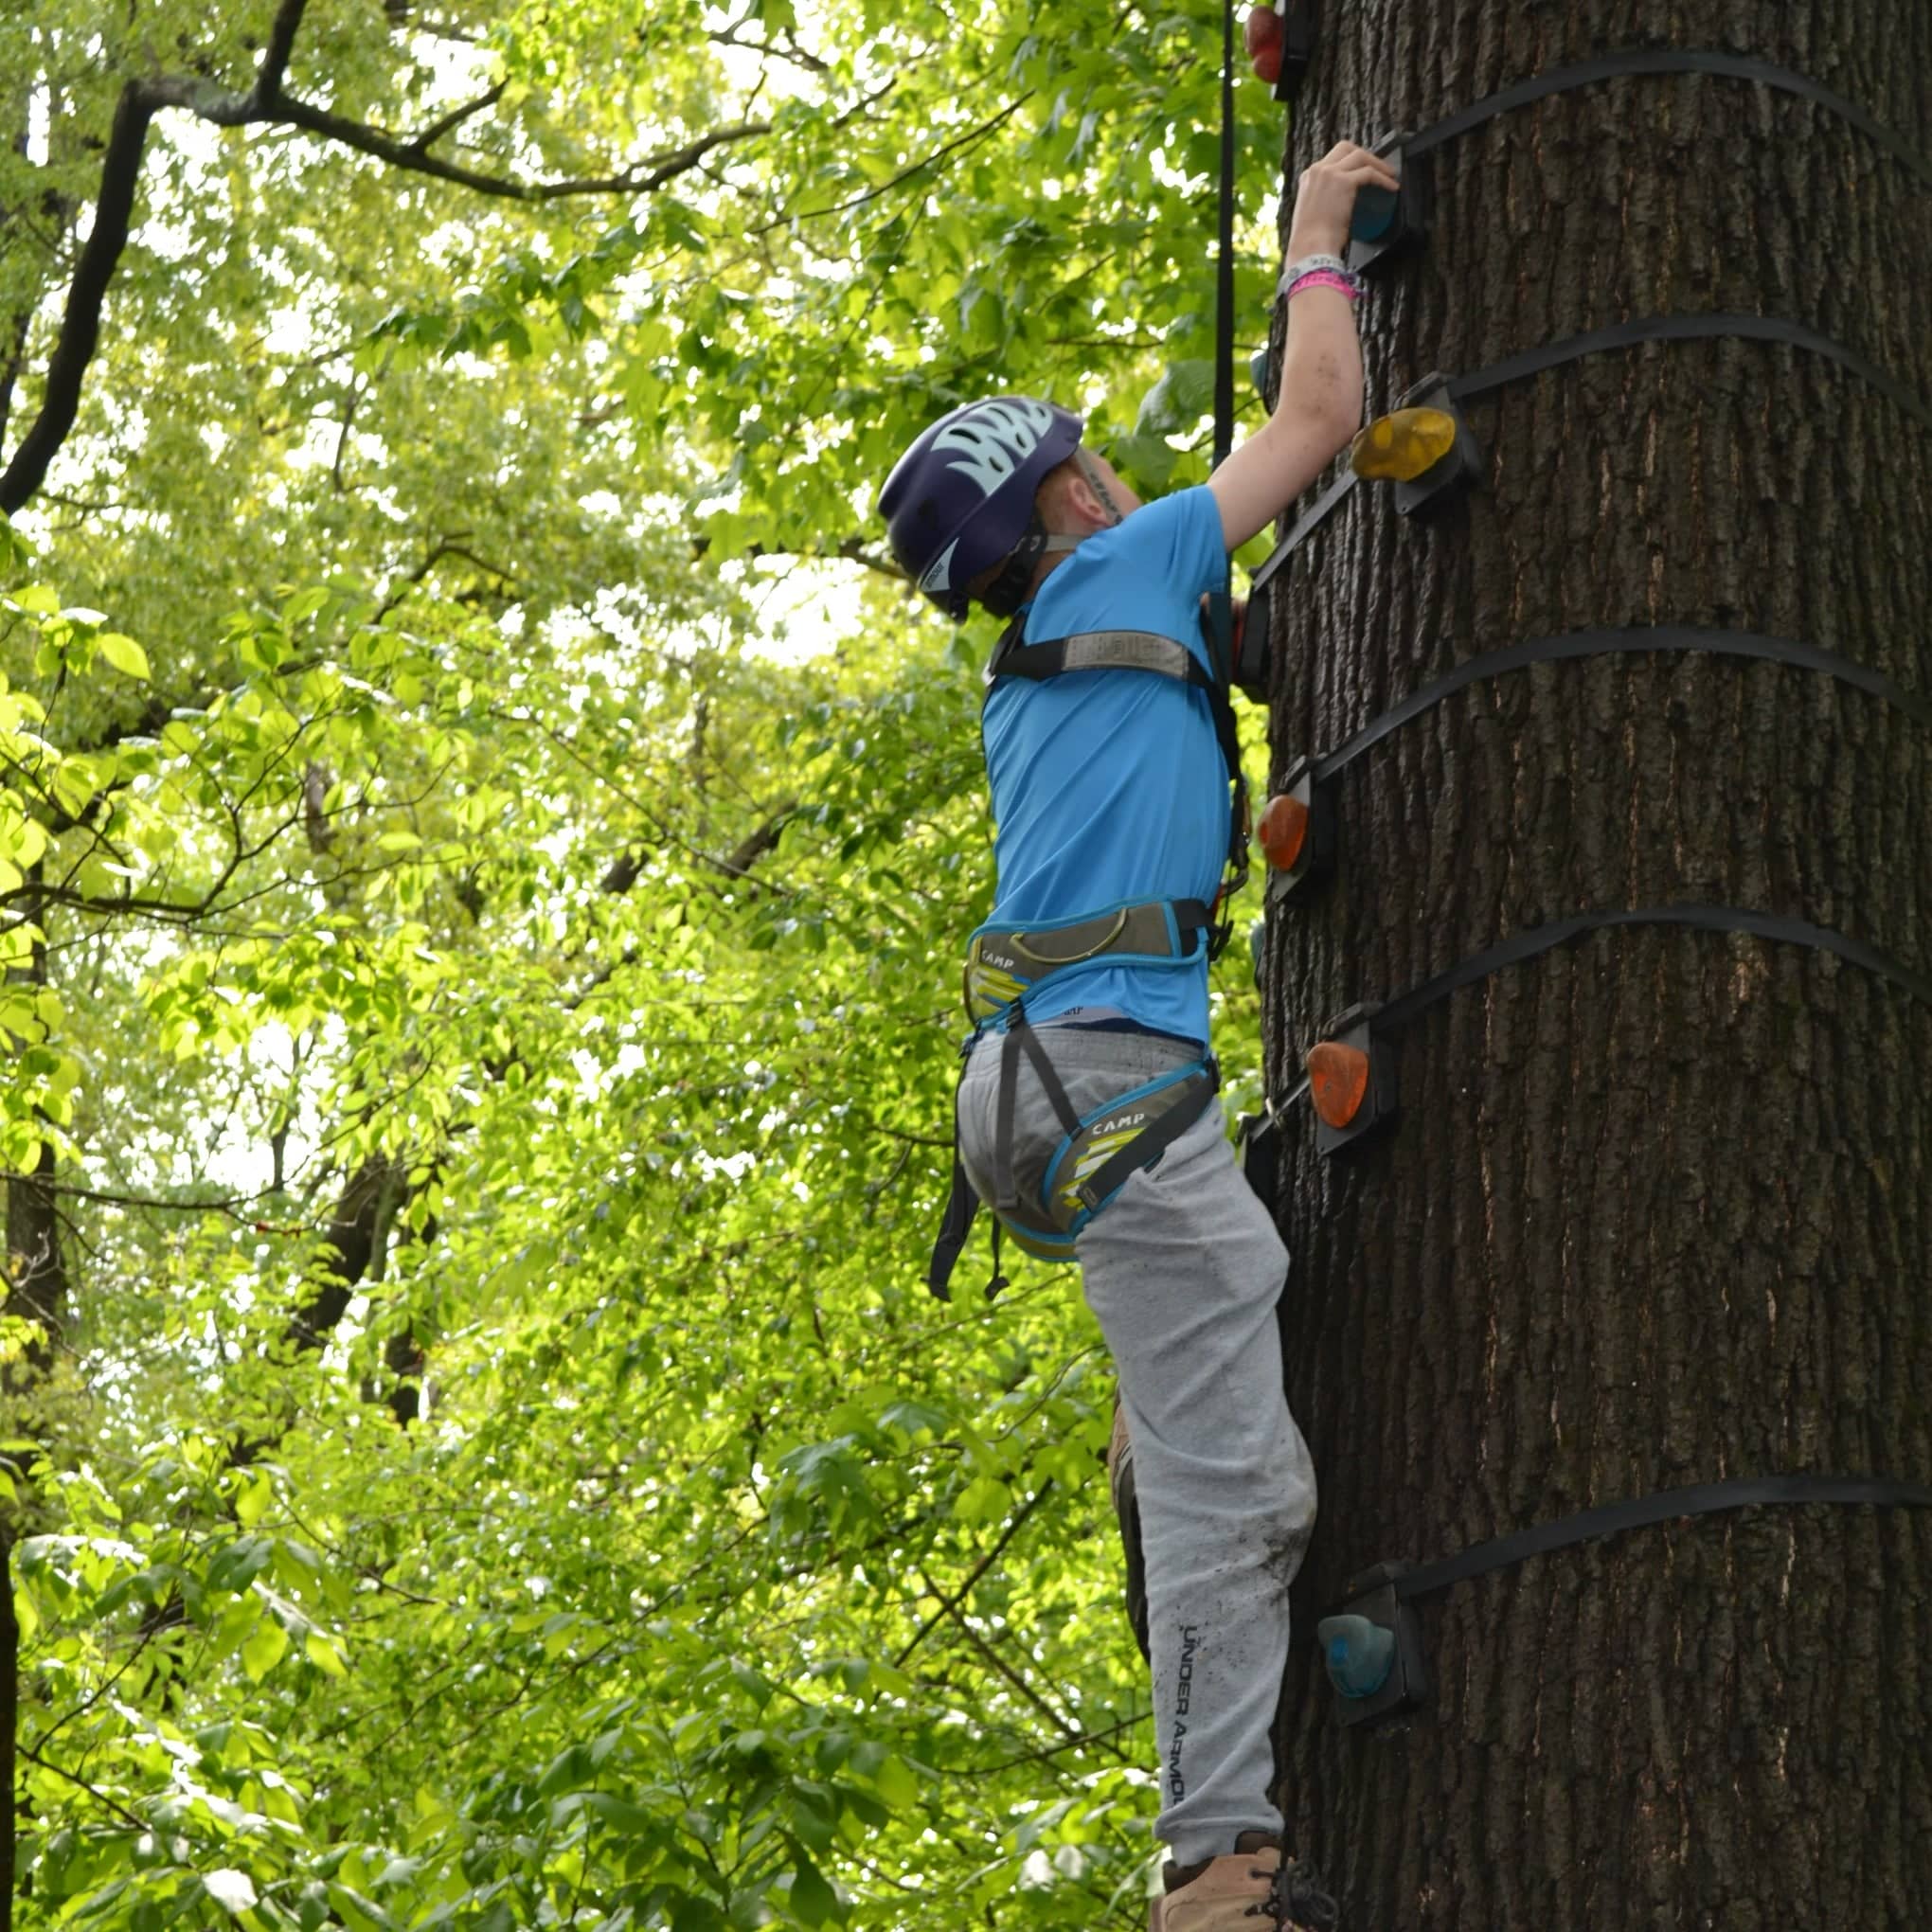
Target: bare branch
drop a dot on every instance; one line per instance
(281, 43)
(263, 104)
(80, 326)
(643, 179)
(904, 174)
(795, 53)
(455, 117)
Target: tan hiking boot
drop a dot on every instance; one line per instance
(1230, 1894)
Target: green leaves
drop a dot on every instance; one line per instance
(484, 843)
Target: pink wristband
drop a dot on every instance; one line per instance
(1325, 278)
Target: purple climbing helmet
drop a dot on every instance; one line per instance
(960, 500)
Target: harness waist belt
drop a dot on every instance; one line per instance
(1005, 962)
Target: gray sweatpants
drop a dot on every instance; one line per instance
(1184, 1269)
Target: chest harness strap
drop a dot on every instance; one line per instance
(1045, 1206)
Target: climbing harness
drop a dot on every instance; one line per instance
(1372, 1643)
(1043, 1200)
(1004, 962)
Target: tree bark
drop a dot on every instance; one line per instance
(1655, 1211)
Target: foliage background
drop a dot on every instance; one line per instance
(485, 838)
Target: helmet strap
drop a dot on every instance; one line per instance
(1014, 584)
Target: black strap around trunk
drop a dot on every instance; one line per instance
(1708, 919)
(1669, 60)
(1706, 327)
(1683, 639)
(1667, 1506)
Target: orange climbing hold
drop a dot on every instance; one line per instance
(1283, 831)
(1337, 1081)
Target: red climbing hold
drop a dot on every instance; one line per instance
(1263, 35)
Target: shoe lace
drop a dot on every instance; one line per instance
(1296, 1900)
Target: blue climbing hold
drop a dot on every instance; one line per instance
(1359, 1655)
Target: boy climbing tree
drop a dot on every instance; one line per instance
(1086, 1115)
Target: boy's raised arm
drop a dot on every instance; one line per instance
(1320, 406)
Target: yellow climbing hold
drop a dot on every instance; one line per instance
(1400, 447)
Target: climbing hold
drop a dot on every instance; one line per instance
(1387, 220)
(1283, 830)
(1352, 1081)
(1372, 1645)
(1427, 405)
(1359, 1655)
(1263, 35)
(1339, 1081)
(1399, 447)
(1298, 830)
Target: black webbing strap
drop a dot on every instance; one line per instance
(1669, 60)
(1305, 526)
(963, 1204)
(1668, 1506)
(1707, 918)
(1639, 640)
(1689, 329)
(1151, 1141)
(1532, 362)
(1020, 1033)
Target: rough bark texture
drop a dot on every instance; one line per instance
(1657, 1211)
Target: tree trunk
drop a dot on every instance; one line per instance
(1655, 1211)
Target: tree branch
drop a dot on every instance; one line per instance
(904, 174)
(281, 43)
(455, 117)
(120, 172)
(644, 179)
(263, 104)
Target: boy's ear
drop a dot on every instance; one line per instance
(1083, 499)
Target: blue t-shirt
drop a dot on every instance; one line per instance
(1108, 786)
